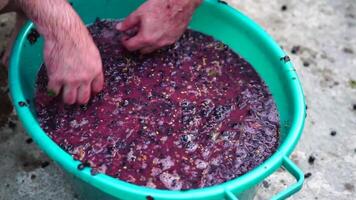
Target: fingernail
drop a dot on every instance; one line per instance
(124, 38)
(51, 93)
(118, 26)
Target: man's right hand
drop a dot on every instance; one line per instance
(73, 61)
(73, 66)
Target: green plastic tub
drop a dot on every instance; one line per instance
(215, 18)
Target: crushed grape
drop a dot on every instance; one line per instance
(191, 115)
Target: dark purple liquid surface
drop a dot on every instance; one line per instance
(188, 116)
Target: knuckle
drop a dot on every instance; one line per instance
(129, 45)
(83, 78)
(149, 39)
(86, 99)
(83, 100)
(98, 72)
(55, 80)
(73, 81)
(68, 100)
(162, 44)
(172, 41)
(166, 42)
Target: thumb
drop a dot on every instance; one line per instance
(54, 87)
(130, 22)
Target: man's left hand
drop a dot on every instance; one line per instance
(159, 22)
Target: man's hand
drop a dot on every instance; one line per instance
(73, 61)
(73, 66)
(159, 23)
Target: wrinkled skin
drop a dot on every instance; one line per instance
(159, 22)
(73, 61)
(75, 69)
(73, 66)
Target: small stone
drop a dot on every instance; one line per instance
(44, 164)
(348, 50)
(336, 83)
(333, 133)
(283, 181)
(311, 159)
(349, 187)
(306, 64)
(265, 184)
(33, 176)
(12, 125)
(284, 7)
(354, 106)
(29, 140)
(307, 175)
(295, 49)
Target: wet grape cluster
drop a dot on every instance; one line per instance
(191, 115)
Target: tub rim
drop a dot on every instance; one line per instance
(112, 185)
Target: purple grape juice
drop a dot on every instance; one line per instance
(191, 115)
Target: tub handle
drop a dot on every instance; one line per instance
(293, 169)
(230, 196)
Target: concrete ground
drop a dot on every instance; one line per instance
(320, 37)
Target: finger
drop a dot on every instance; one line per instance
(125, 37)
(53, 87)
(130, 21)
(69, 94)
(135, 43)
(97, 84)
(147, 50)
(83, 94)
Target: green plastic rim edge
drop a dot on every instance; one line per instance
(112, 186)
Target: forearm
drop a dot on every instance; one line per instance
(54, 19)
(183, 4)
